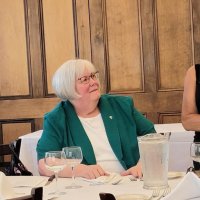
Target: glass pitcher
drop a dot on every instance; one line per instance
(154, 157)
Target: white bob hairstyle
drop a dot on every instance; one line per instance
(65, 77)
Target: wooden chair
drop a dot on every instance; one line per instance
(6, 154)
(15, 146)
(4, 151)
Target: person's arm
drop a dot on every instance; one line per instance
(52, 140)
(81, 170)
(190, 117)
(135, 171)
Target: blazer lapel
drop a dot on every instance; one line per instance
(110, 123)
(78, 134)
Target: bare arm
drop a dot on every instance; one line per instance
(81, 170)
(190, 116)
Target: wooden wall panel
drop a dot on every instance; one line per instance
(147, 12)
(26, 108)
(38, 123)
(124, 45)
(82, 27)
(12, 131)
(175, 48)
(167, 118)
(196, 29)
(58, 34)
(142, 48)
(97, 13)
(13, 53)
(34, 48)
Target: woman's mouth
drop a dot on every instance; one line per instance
(94, 90)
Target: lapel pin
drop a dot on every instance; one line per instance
(110, 117)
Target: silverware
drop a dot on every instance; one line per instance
(50, 179)
(155, 193)
(116, 182)
(194, 198)
(166, 191)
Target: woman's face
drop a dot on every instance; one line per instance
(88, 86)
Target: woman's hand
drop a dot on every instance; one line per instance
(90, 171)
(135, 171)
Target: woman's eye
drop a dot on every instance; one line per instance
(92, 76)
(84, 79)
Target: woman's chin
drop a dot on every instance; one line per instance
(96, 95)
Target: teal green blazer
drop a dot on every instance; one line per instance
(123, 124)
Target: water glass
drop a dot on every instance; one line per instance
(195, 151)
(74, 157)
(154, 156)
(55, 161)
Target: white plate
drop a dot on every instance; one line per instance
(173, 175)
(132, 197)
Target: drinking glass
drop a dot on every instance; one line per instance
(55, 161)
(74, 157)
(195, 151)
(154, 156)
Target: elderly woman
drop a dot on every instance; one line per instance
(104, 126)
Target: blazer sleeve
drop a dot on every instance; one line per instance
(143, 125)
(53, 135)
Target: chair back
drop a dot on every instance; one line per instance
(5, 161)
(6, 154)
(12, 165)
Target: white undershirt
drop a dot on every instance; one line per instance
(105, 157)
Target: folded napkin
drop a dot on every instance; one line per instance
(6, 190)
(33, 181)
(112, 179)
(188, 188)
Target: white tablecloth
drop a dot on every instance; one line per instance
(28, 153)
(179, 150)
(179, 157)
(87, 191)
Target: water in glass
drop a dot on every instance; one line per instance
(55, 161)
(154, 155)
(73, 157)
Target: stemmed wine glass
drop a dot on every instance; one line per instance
(74, 157)
(195, 151)
(55, 161)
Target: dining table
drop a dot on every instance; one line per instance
(22, 186)
(179, 147)
(179, 161)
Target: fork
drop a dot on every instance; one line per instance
(165, 192)
(50, 179)
(155, 193)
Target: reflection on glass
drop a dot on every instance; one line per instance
(55, 161)
(73, 157)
